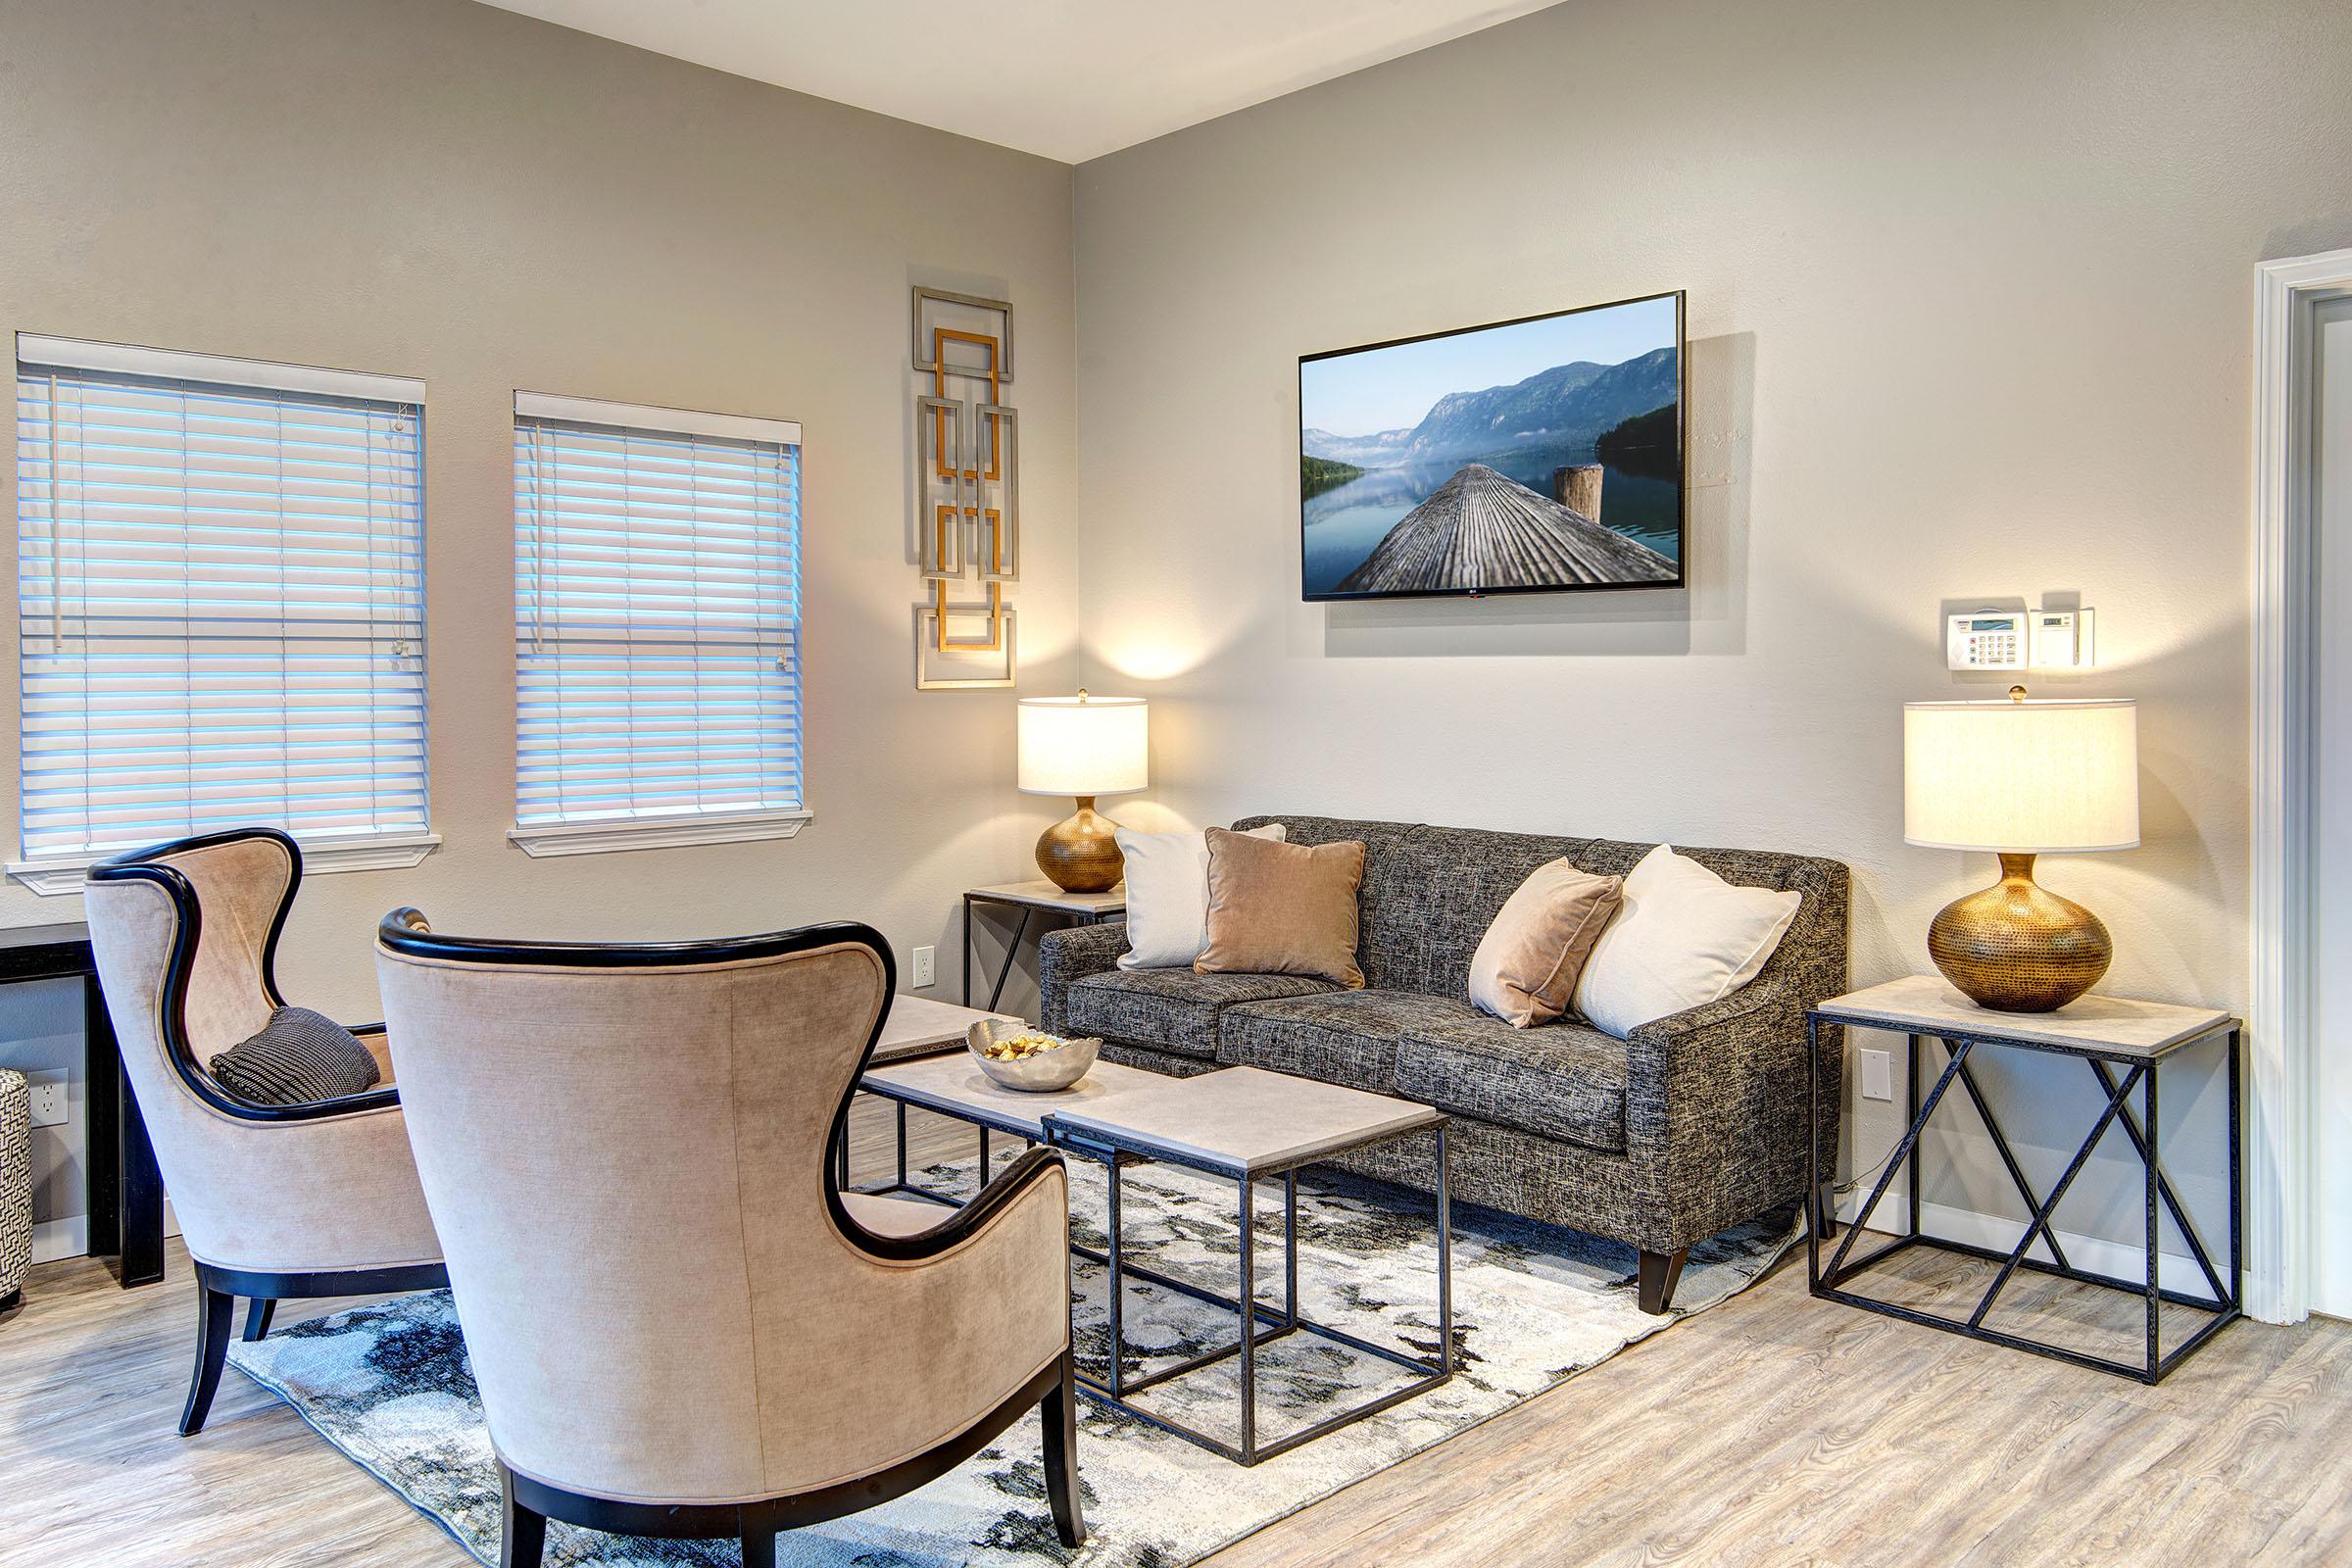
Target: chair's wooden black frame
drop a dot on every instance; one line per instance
(529, 1503)
(218, 1288)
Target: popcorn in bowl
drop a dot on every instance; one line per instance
(1022, 1058)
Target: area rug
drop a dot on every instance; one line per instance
(388, 1385)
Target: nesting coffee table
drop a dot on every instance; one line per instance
(1242, 1124)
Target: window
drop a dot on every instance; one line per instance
(657, 623)
(221, 585)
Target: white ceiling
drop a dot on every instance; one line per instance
(1071, 79)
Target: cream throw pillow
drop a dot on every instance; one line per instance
(1527, 964)
(1281, 909)
(1683, 938)
(1167, 896)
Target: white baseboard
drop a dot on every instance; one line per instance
(2121, 1261)
(54, 1239)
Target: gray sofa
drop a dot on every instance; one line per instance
(1692, 1124)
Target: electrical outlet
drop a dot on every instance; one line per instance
(926, 969)
(1878, 1075)
(48, 1097)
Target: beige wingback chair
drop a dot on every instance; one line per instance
(681, 1326)
(275, 1202)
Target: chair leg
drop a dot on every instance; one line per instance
(215, 1317)
(521, 1533)
(1659, 1273)
(758, 1548)
(258, 1314)
(1059, 1413)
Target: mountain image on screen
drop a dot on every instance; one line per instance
(1533, 455)
(1566, 404)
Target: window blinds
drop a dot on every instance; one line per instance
(656, 615)
(222, 597)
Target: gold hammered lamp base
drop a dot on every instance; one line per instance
(2017, 946)
(1079, 854)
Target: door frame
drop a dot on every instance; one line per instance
(2281, 1220)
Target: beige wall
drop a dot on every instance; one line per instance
(438, 189)
(1970, 304)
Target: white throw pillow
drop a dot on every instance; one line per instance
(1681, 938)
(1167, 896)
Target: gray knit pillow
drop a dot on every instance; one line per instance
(299, 1057)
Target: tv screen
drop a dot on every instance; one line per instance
(1537, 455)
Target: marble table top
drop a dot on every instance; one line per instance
(2114, 1026)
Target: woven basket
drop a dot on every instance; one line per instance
(15, 1183)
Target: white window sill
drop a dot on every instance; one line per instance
(606, 838)
(53, 878)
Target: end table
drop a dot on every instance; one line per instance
(2108, 1035)
(1031, 899)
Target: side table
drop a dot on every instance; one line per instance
(1031, 899)
(2107, 1034)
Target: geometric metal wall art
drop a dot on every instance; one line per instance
(968, 490)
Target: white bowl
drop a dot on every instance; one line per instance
(1040, 1074)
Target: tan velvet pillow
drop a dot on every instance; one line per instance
(1281, 909)
(1526, 966)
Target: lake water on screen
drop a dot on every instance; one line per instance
(1343, 525)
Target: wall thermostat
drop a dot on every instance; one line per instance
(1987, 640)
(2062, 639)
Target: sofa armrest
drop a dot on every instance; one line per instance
(1065, 957)
(1716, 1112)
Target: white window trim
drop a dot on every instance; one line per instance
(655, 833)
(56, 877)
(647, 417)
(73, 354)
(547, 840)
(392, 852)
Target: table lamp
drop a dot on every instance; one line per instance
(2020, 778)
(1083, 746)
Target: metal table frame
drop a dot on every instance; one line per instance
(1013, 948)
(1265, 1323)
(2225, 1302)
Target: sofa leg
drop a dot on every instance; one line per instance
(1825, 1211)
(1658, 1273)
(522, 1533)
(1059, 1413)
(216, 1315)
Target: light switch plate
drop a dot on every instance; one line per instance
(926, 966)
(48, 1088)
(1878, 1075)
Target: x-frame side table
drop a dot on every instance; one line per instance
(2111, 1036)
(1032, 899)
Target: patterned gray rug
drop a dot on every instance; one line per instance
(1532, 1307)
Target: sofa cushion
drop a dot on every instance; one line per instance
(1281, 909)
(1347, 1037)
(1175, 1009)
(1561, 1081)
(1389, 874)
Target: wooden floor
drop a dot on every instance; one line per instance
(1775, 1429)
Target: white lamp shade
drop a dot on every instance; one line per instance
(1084, 745)
(2032, 777)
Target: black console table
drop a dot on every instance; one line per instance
(125, 1191)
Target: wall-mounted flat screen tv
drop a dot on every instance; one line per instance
(1537, 455)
